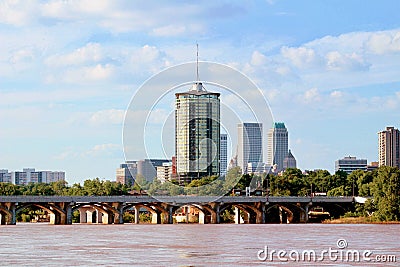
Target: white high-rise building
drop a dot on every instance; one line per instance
(389, 147)
(277, 146)
(223, 154)
(30, 175)
(250, 146)
(197, 133)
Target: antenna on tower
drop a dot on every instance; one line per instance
(197, 65)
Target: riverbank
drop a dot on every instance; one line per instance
(357, 220)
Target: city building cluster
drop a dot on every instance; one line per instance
(202, 150)
(30, 175)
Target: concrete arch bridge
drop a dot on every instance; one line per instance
(110, 209)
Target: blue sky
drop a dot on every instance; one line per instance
(329, 69)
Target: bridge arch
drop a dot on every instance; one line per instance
(95, 212)
(5, 216)
(158, 213)
(57, 215)
(251, 211)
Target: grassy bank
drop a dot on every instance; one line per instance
(357, 220)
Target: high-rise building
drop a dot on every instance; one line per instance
(389, 147)
(277, 146)
(197, 133)
(223, 153)
(350, 164)
(289, 161)
(250, 146)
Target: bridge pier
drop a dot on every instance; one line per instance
(263, 213)
(238, 218)
(69, 214)
(156, 217)
(119, 215)
(170, 214)
(13, 211)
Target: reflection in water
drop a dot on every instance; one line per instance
(183, 245)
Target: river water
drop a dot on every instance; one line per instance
(198, 245)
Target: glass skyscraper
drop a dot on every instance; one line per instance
(249, 150)
(197, 133)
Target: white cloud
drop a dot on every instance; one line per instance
(301, 57)
(17, 13)
(90, 53)
(258, 58)
(384, 42)
(110, 116)
(341, 62)
(145, 54)
(89, 74)
(102, 150)
(336, 94)
(169, 30)
(311, 95)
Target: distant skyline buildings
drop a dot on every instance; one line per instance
(30, 175)
(389, 147)
(289, 161)
(349, 164)
(128, 171)
(250, 146)
(223, 154)
(278, 146)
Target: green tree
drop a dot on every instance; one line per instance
(386, 192)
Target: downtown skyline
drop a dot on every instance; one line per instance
(330, 71)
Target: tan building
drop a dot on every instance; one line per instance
(164, 172)
(389, 150)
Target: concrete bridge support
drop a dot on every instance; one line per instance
(136, 209)
(119, 214)
(155, 217)
(238, 218)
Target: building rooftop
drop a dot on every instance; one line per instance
(197, 89)
(279, 125)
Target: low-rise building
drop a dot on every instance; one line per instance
(30, 175)
(350, 164)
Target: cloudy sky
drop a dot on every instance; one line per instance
(68, 69)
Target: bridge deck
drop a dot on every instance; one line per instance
(176, 200)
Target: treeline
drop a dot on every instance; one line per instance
(95, 187)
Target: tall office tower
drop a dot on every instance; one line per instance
(277, 145)
(197, 133)
(289, 161)
(249, 148)
(389, 147)
(223, 154)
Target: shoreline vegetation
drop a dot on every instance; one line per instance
(357, 220)
(380, 188)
